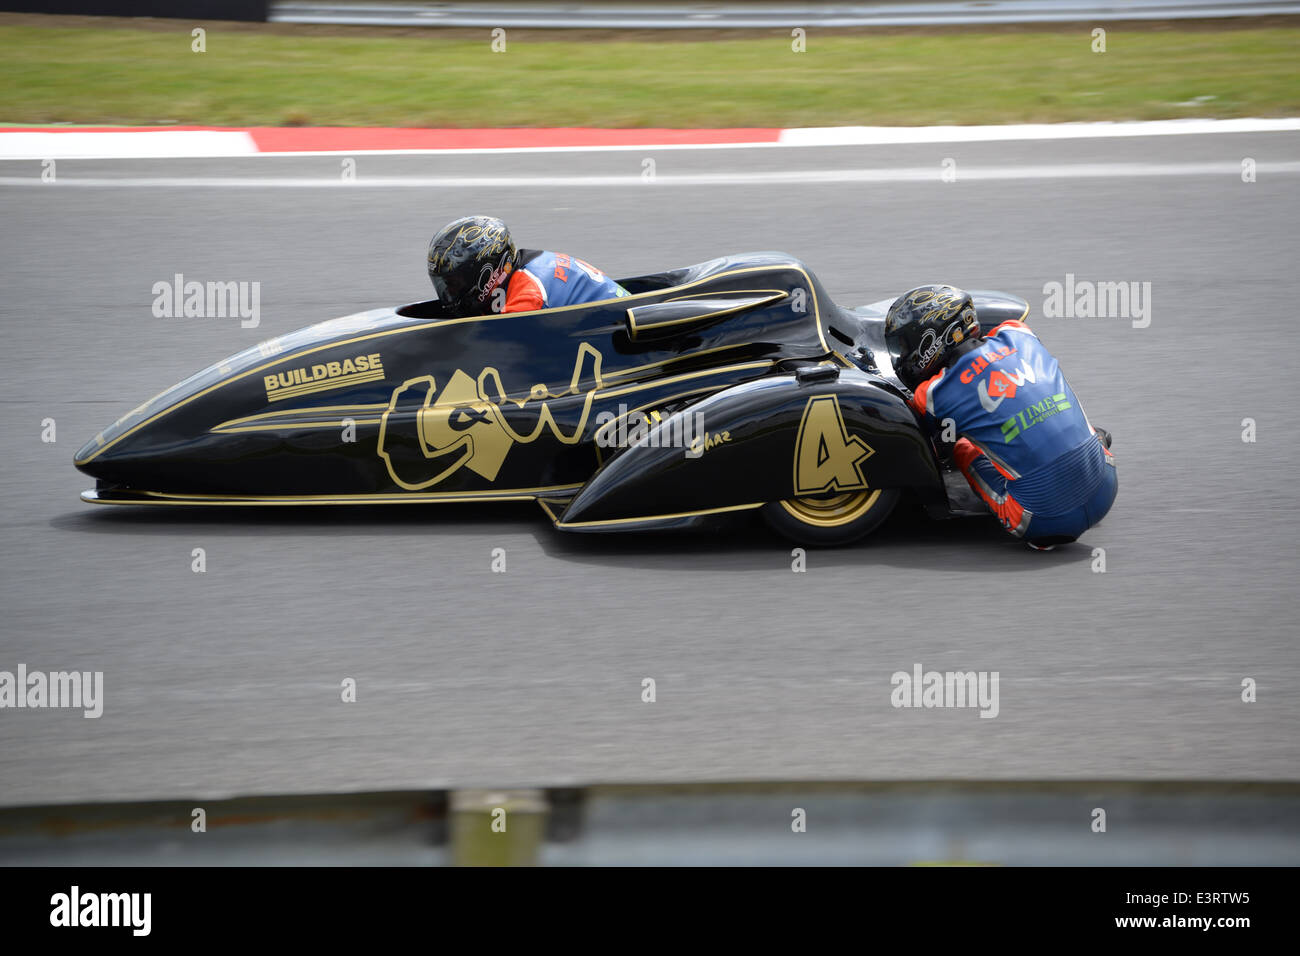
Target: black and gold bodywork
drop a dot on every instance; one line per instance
(728, 385)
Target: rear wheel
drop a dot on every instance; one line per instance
(832, 520)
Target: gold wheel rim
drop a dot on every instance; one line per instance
(834, 511)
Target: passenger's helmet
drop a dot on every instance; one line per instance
(468, 259)
(926, 327)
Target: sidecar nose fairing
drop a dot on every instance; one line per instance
(212, 434)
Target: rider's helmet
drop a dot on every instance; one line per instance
(926, 328)
(468, 259)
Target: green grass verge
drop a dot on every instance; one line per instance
(126, 76)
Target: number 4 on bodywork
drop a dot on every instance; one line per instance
(827, 458)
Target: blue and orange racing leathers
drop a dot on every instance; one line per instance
(544, 280)
(1025, 445)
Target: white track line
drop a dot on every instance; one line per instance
(923, 174)
(724, 16)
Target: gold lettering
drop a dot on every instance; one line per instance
(304, 376)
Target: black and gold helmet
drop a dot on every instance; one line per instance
(926, 327)
(468, 260)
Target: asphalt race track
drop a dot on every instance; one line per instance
(228, 682)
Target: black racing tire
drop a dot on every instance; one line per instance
(826, 522)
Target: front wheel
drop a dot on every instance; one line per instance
(830, 521)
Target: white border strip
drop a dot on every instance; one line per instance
(896, 135)
(127, 144)
(171, 144)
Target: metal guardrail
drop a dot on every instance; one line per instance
(1145, 824)
(724, 16)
